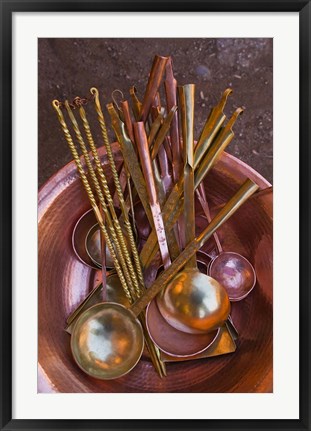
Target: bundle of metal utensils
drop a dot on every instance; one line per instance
(158, 295)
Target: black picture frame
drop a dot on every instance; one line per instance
(7, 10)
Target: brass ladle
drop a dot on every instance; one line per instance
(107, 340)
(192, 302)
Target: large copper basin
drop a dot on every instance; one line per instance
(64, 281)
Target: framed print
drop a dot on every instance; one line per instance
(154, 239)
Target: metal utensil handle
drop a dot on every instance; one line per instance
(222, 141)
(131, 160)
(155, 126)
(105, 199)
(127, 119)
(145, 159)
(245, 191)
(162, 132)
(154, 81)
(186, 97)
(200, 191)
(170, 85)
(211, 127)
(135, 102)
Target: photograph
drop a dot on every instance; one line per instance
(155, 215)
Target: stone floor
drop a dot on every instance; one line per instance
(69, 67)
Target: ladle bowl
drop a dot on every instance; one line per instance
(235, 273)
(107, 341)
(194, 302)
(93, 247)
(231, 269)
(79, 233)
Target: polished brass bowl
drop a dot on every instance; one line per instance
(194, 302)
(107, 341)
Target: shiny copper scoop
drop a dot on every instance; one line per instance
(232, 270)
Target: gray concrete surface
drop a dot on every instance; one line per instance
(69, 67)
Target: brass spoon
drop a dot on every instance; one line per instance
(107, 340)
(192, 302)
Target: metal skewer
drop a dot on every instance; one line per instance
(91, 197)
(105, 201)
(127, 223)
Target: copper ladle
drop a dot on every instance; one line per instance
(107, 340)
(232, 270)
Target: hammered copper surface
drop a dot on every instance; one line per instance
(64, 281)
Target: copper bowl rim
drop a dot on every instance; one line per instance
(116, 148)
